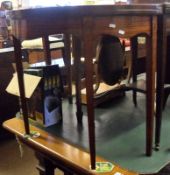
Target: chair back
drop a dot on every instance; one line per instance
(110, 60)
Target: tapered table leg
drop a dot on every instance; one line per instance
(161, 62)
(77, 56)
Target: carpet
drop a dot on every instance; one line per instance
(120, 133)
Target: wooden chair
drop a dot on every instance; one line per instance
(46, 46)
(167, 74)
(110, 66)
(134, 43)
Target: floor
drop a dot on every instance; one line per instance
(11, 162)
(120, 133)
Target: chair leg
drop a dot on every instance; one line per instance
(67, 60)
(68, 77)
(47, 52)
(134, 47)
(135, 98)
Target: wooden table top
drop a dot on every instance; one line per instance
(70, 19)
(86, 10)
(58, 148)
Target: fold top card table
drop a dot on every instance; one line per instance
(86, 24)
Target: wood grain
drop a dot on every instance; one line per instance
(59, 150)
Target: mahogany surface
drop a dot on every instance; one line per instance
(69, 18)
(87, 23)
(74, 158)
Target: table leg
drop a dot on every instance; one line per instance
(48, 165)
(149, 107)
(19, 68)
(150, 84)
(45, 166)
(149, 104)
(89, 69)
(161, 62)
(77, 56)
